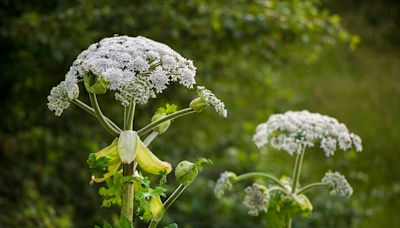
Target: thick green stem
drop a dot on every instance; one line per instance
(128, 194)
(260, 174)
(171, 116)
(100, 116)
(296, 177)
(311, 186)
(171, 199)
(91, 111)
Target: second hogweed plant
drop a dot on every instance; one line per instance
(292, 132)
(135, 69)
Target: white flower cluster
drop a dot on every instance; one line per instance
(59, 99)
(212, 100)
(135, 67)
(338, 184)
(256, 199)
(224, 183)
(293, 131)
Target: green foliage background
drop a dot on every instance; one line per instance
(260, 57)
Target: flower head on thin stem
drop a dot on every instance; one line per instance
(59, 99)
(338, 184)
(224, 183)
(208, 98)
(256, 199)
(292, 131)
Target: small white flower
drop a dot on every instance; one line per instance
(256, 199)
(212, 100)
(293, 131)
(159, 79)
(224, 183)
(338, 184)
(59, 98)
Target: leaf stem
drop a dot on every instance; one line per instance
(171, 116)
(91, 111)
(311, 186)
(100, 116)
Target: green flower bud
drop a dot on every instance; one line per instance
(198, 104)
(95, 84)
(105, 162)
(156, 208)
(127, 143)
(186, 172)
(161, 128)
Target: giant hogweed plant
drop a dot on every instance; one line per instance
(135, 69)
(284, 198)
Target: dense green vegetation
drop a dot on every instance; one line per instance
(257, 66)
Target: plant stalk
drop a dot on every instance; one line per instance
(311, 186)
(100, 116)
(128, 193)
(91, 111)
(260, 174)
(296, 177)
(171, 116)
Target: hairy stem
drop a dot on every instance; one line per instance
(171, 116)
(311, 186)
(128, 194)
(91, 111)
(260, 174)
(171, 199)
(100, 116)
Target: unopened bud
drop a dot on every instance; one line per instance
(198, 104)
(95, 84)
(163, 127)
(186, 172)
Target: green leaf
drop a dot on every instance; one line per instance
(99, 165)
(168, 109)
(112, 192)
(199, 163)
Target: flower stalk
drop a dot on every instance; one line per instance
(100, 116)
(171, 116)
(91, 111)
(260, 174)
(311, 187)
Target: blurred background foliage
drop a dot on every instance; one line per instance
(260, 57)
